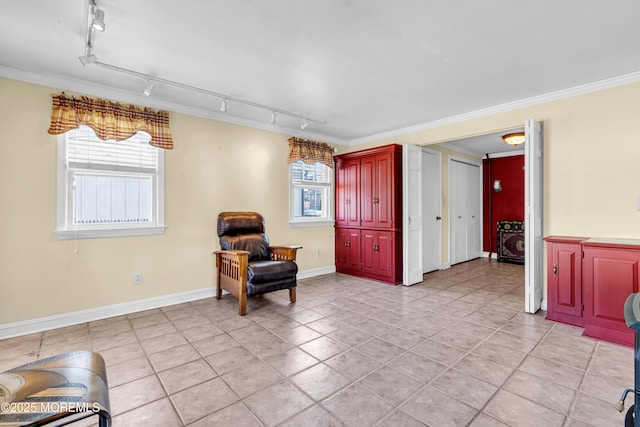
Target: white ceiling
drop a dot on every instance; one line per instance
(482, 145)
(367, 67)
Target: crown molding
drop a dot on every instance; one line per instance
(66, 83)
(502, 108)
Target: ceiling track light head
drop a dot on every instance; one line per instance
(304, 124)
(223, 105)
(273, 118)
(148, 88)
(98, 20)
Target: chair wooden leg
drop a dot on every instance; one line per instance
(292, 294)
(242, 304)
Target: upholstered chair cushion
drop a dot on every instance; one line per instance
(256, 244)
(268, 276)
(231, 223)
(261, 271)
(244, 231)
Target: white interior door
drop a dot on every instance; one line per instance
(474, 211)
(431, 210)
(465, 210)
(412, 232)
(533, 215)
(457, 212)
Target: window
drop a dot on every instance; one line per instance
(310, 199)
(109, 188)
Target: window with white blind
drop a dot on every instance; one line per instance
(109, 188)
(310, 195)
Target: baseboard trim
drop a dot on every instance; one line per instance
(493, 255)
(305, 274)
(26, 327)
(543, 305)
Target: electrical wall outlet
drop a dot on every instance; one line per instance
(137, 278)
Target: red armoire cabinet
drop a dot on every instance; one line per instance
(369, 213)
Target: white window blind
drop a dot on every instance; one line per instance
(85, 151)
(317, 172)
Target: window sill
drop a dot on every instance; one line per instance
(109, 232)
(302, 224)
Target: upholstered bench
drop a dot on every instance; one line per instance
(55, 391)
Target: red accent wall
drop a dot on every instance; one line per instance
(507, 204)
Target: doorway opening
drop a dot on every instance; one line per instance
(520, 203)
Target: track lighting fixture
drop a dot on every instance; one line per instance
(148, 88)
(95, 22)
(98, 19)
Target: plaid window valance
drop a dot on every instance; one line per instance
(310, 151)
(110, 120)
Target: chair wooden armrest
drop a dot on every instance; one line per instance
(231, 267)
(284, 252)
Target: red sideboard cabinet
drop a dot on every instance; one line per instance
(588, 281)
(369, 213)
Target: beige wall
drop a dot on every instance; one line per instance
(215, 166)
(591, 182)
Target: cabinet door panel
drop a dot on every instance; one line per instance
(348, 193)
(384, 251)
(383, 205)
(610, 276)
(614, 281)
(564, 280)
(342, 251)
(367, 191)
(352, 176)
(347, 249)
(341, 193)
(368, 257)
(568, 297)
(354, 250)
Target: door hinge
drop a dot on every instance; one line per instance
(582, 307)
(582, 254)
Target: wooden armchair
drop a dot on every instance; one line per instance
(246, 264)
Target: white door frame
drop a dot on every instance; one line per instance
(533, 191)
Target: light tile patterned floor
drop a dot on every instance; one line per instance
(455, 350)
